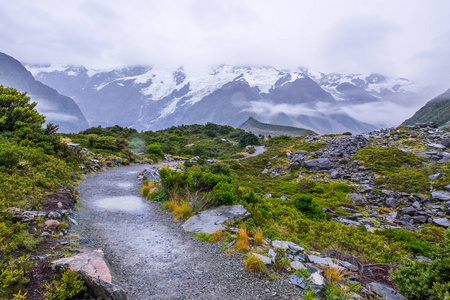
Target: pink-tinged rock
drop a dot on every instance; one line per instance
(51, 223)
(91, 265)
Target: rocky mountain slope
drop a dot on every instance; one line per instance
(57, 108)
(150, 98)
(258, 128)
(436, 110)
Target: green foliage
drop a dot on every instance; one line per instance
(16, 111)
(414, 244)
(385, 159)
(154, 151)
(400, 170)
(160, 197)
(310, 146)
(114, 131)
(70, 285)
(310, 209)
(224, 193)
(418, 280)
(205, 141)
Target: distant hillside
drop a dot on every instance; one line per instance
(256, 127)
(56, 108)
(436, 110)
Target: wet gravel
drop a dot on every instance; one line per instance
(150, 254)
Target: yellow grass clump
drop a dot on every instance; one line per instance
(258, 236)
(242, 241)
(254, 264)
(216, 236)
(335, 274)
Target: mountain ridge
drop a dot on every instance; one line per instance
(258, 128)
(152, 98)
(57, 108)
(436, 110)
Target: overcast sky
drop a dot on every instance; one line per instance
(406, 38)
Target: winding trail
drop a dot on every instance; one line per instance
(152, 257)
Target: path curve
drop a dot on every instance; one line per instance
(152, 257)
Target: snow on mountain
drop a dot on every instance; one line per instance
(151, 97)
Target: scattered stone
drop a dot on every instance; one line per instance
(265, 171)
(54, 215)
(317, 282)
(440, 195)
(51, 223)
(320, 164)
(265, 259)
(423, 258)
(212, 220)
(92, 267)
(435, 176)
(272, 254)
(385, 292)
(73, 221)
(298, 281)
(436, 146)
(296, 265)
(348, 265)
(444, 222)
(60, 205)
(287, 245)
(284, 198)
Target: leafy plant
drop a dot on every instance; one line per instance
(70, 285)
(420, 280)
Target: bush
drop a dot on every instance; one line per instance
(254, 264)
(16, 111)
(224, 193)
(154, 151)
(9, 158)
(420, 280)
(70, 285)
(304, 203)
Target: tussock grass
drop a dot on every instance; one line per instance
(258, 236)
(254, 264)
(242, 241)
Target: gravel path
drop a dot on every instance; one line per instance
(152, 257)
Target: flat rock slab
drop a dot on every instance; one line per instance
(212, 220)
(287, 245)
(92, 267)
(385, 292)
(444, 222)
(440, 195)
(265, 259)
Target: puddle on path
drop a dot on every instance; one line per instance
(124, 185)
(122, 203)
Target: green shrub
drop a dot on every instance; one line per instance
(70, 285)
(9, 158)
(305, 204)
(415, 245)
(224, 193)
(418, 280)
(154, 151)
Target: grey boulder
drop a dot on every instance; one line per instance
(212, 220)
(320, 163)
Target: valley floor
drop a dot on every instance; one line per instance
(152, 256)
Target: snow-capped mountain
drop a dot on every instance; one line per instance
(149, 98)
(56, 108)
